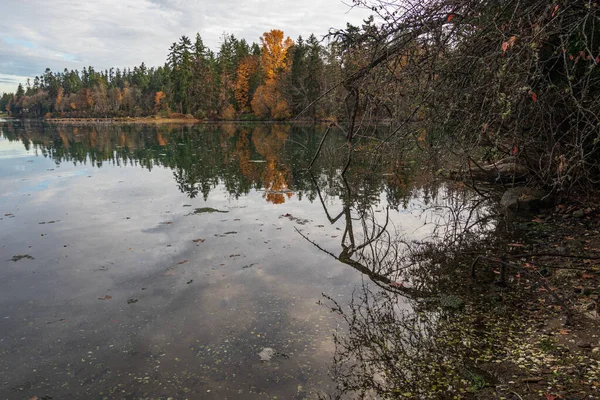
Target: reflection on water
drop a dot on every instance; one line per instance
(163, 261)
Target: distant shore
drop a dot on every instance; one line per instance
(165, 121)
(124, 120)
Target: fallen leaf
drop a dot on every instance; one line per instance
(198, 240)
(554, 11)
(564, 331)
(588, 276)
(107, 297)
(516, 245)
(450, 17)
(182, 262)
(534, 97)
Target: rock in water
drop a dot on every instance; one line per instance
(524, 198)
(266, 354)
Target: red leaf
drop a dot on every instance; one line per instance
(550, 396)
(534, 97)
(555, 10)
(505, 46)
(450, 17)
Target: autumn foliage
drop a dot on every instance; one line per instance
(268, 101)
(247, 67)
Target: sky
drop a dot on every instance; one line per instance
(58, 34)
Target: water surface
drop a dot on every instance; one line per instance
(157, 262)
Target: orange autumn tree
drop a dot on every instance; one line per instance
(268, 100)
(247, 67)
(158, 98)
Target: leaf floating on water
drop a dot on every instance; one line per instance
(266, 354)
(20, 257)
(199, 240)
(208, 210)
(183, 262)
(166, 223)
(107, 297)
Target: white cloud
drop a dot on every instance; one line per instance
(72, 34)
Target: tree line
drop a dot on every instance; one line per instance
(275, 79)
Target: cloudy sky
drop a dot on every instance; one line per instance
(36, 34)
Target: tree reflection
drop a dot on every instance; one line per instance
(269, 158)
(404, 336)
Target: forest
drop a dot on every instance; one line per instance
(483, 80)
(273, 80)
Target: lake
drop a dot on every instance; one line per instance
(197, 261)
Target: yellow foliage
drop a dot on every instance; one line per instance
(259, 103)
(268, 102)
(59, 98)
(157, 99)
(228, 112)
(247, 67)
(274, 56)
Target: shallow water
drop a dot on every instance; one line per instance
(144, 262)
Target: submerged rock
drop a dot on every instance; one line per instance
(524, 198)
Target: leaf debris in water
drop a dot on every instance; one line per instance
(19, 257)
(266, 354)
(205, 210)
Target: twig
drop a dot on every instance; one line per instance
(319, 149)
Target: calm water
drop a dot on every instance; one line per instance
(144, 262)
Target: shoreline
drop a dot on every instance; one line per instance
(166, 121)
